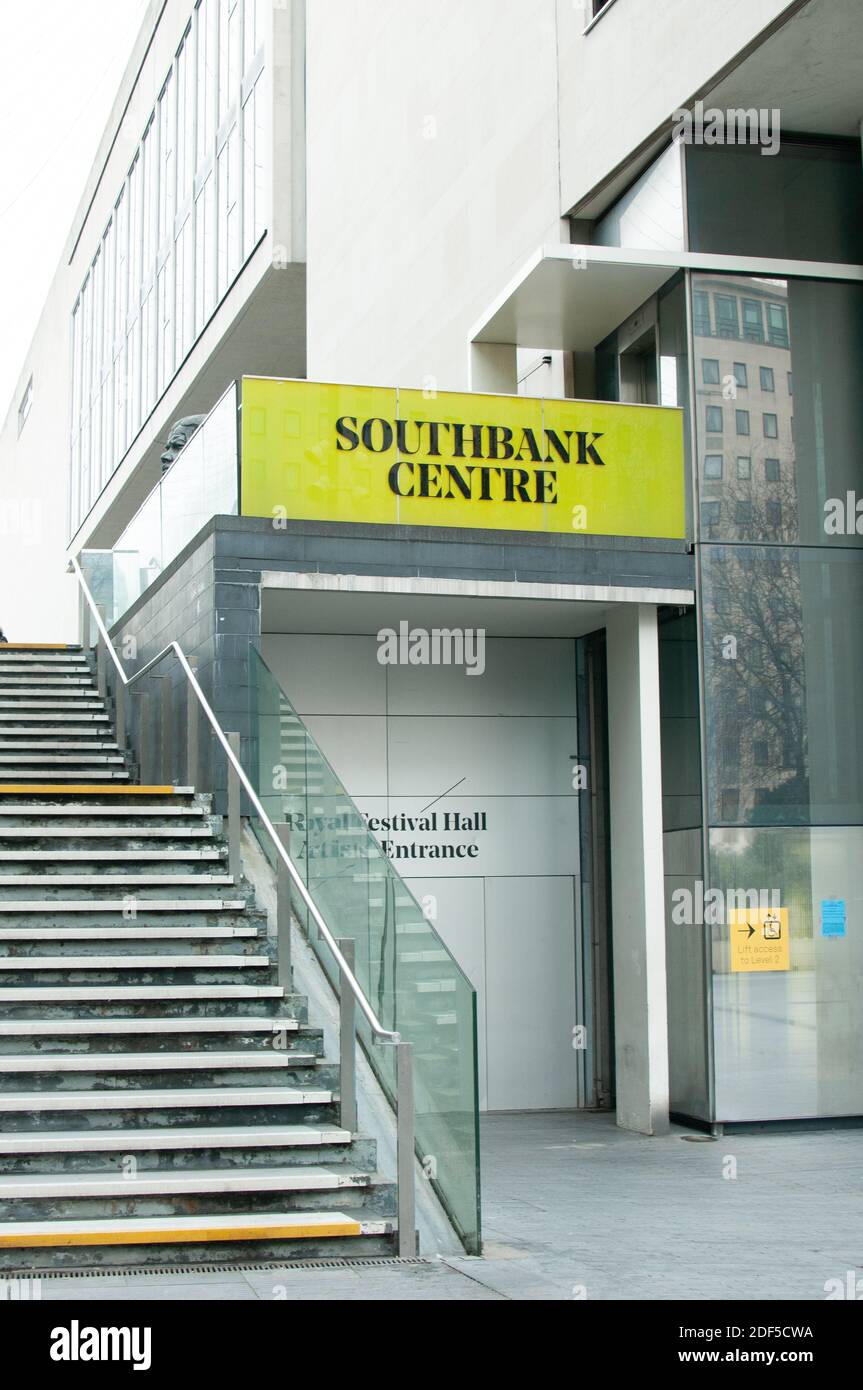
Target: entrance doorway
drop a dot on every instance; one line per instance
(491, 764)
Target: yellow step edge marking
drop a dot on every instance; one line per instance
(37, 647)
(43, 789)
(182, 1236)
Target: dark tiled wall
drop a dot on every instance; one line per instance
(209, 599)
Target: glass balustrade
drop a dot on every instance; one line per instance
(406, 971)
(203, 482)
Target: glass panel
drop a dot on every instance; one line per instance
(783, 666)
(649, 216)
(788, 1042)
(201, 483)
(806, 202)
(809, 446)
(406, 972)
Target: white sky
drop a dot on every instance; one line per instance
(60, 66)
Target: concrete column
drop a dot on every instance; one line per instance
(493, 367)
(637, 888)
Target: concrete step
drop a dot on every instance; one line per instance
(161, 961)
(86, 757)
(123, 1141)
(142, 934)
(113, 880)
(121, 905)
(29, 679)
(84, 736)
(225, 1231)
(67, 692)
(36, 811)
(112, 856)
(45, 795)
(67, 708)
(63, 1187)
(167, 1098)
(144, 1027)
(19, 775)
(44, 667)
(85, 743)
(110, 1062)
(103, 994)
(49, 721)
(102, 832)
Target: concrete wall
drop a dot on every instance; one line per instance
(433, 132)
(622, 80)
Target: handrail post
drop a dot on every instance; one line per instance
(101, 682)
(283, 910)
(347, 1041)
(405, 1148)
(166, 731)
(120, 714)
(235, 861)
(192, 726)
(144, 735)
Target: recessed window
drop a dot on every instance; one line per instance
(742, 421)
(710, 512)
(730, 803)
(771, 470)
(768, 382)
(25, 405)
(741, 376)
(753, 321)
(714, 419)
(726, 315)
(744, 469)
(713, 466)
(777, 325)
(771, 427)
(773, 513)
(701, 314)
(710, 371)
(743, 513)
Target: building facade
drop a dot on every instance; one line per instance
(505, 200)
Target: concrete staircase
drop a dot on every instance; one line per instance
(162, 1099)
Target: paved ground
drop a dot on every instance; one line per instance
(575, 1208)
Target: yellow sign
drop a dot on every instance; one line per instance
(318, 452)
(759, 939)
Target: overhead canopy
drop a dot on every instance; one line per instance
(571, 297)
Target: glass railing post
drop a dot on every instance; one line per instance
(405, 1145)
(347, 1040)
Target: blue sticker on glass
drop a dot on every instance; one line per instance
(833, 917)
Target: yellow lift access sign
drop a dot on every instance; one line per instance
(759, 939)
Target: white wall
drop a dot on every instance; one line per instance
(622, 80)
(399, 737)
(433, 174)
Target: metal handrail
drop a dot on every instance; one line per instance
(385, 1034)
(404, 1050)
